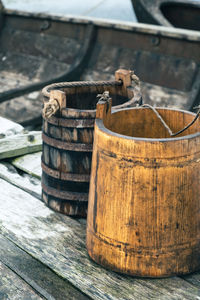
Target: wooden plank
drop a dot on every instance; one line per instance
(29, 163)
(193, 278)
(20, 144)
(26, 182)
(7, 127)
(1, 14)
(13, 287)
(35, 274)
(59, 242)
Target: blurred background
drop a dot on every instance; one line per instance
(108, 9)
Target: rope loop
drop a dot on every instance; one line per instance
(46, 90)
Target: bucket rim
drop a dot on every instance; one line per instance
(117, 107)
(109, 132)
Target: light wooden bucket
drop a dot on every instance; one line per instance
(144, 199)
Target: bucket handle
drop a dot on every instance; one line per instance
(104, 109)
(57, 98)
(167, 127)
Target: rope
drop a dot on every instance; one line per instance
(50, 108)
(52, 105)
(190, 124)
(46, 90)
(159, 116)
(135, 78)
(166, 126)
(103, 97)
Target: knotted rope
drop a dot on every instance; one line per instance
(52, 105)
(50, 108)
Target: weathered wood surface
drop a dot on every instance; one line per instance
(177, 13)
(1, 13)
(29, 163)
(24, 66)
(35, 274)
(144, 192)
(13, 287)
(9, 173)
(24, 181)
(67, 142)
(193, 279)
(59, 242)
(20, 144)
(9, 128)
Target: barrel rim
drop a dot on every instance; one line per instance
(102, 127)
(93, 111)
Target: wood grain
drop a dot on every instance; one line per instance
(67, 145)
(20, 144)
(24, 181)
(13, 287)
(193, 278)
(144, 208)
(59, 242)
(29, 163)
(7, 127)
(35, 274)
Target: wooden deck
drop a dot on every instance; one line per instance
(43, 253)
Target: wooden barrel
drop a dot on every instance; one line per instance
(68, 139)
(144, 200)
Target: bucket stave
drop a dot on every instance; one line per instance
(144, 200)
(65, 169)
(68, 139)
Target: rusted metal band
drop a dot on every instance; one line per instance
(74, 123)
(65, 176)
(64, 195)
(65, 145)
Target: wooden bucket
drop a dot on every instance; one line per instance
(144, 200)
(68, 138)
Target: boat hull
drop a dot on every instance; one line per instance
(38, 49)
(178, 13)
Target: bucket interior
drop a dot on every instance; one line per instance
(144, 123)
(88, 100)
(182, 15)
(85, 97)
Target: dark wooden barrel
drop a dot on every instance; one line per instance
(68, 139)
(144, 200)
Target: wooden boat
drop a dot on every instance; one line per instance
(177, 13)
(38, 49)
